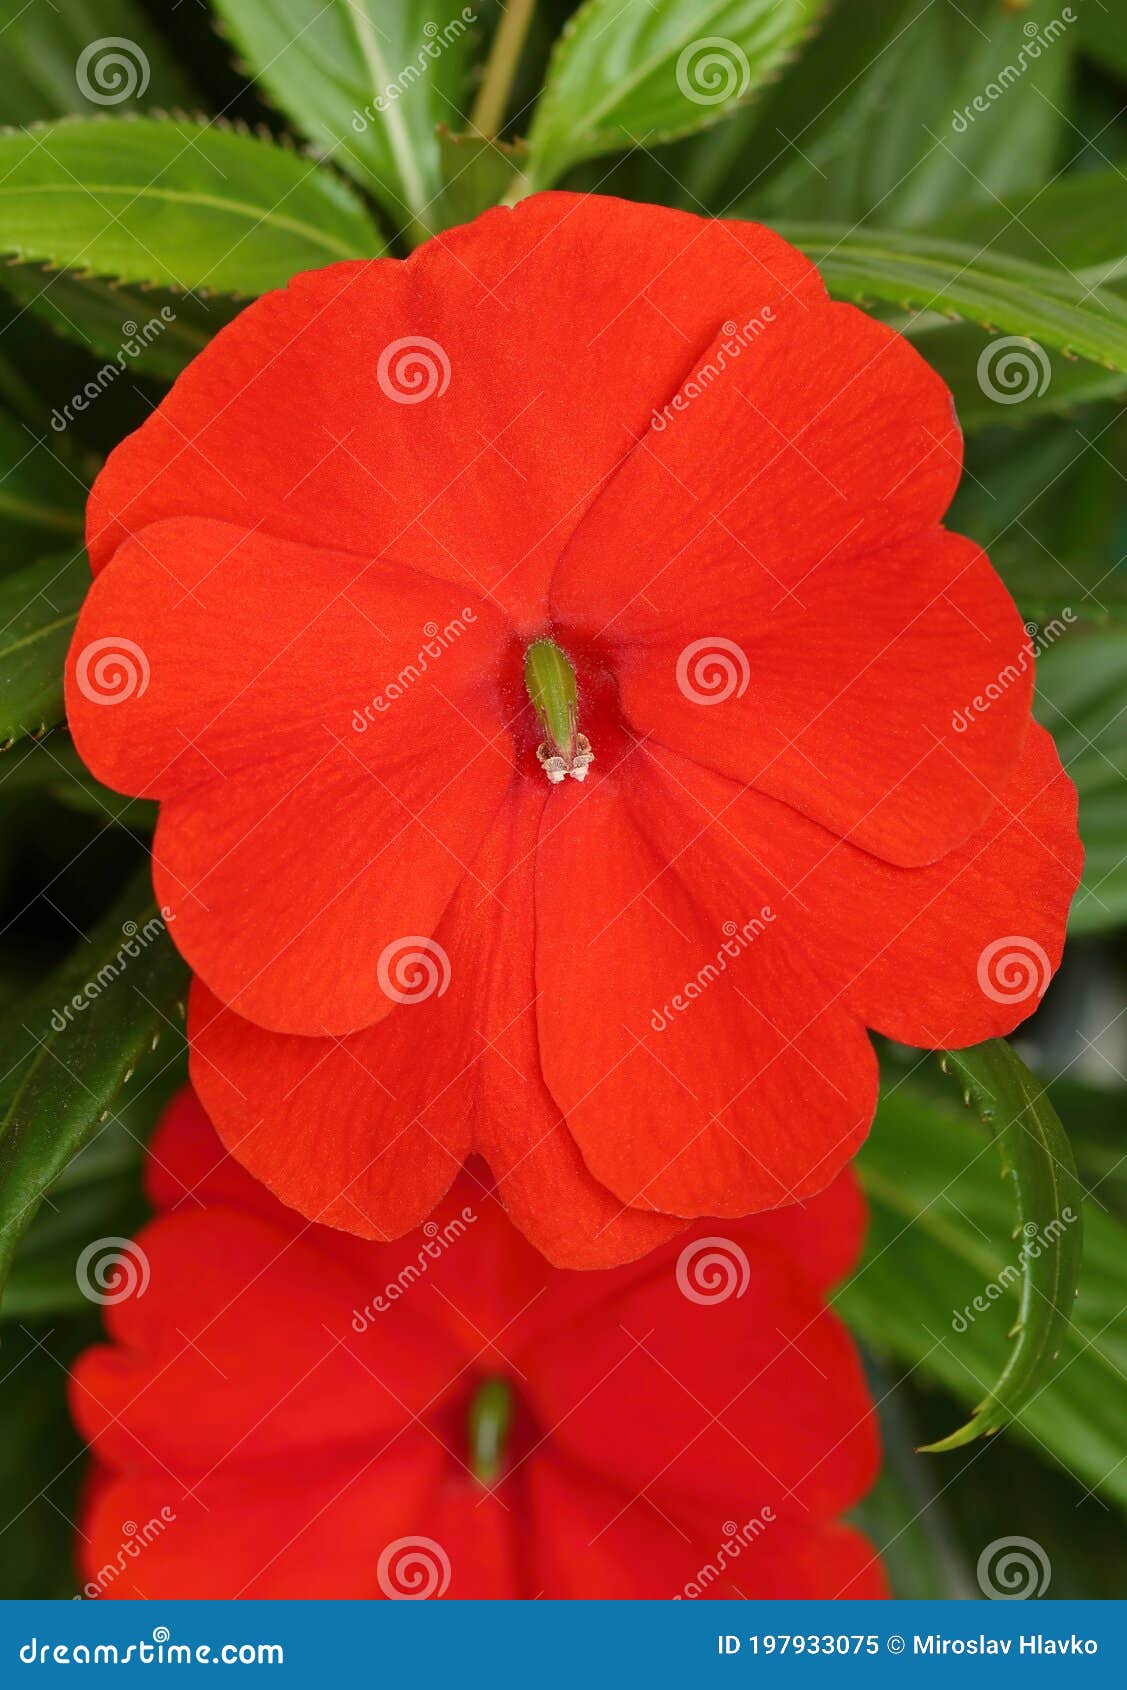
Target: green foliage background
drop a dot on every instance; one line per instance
(240, 161)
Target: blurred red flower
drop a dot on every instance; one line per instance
(580, 479)
(287, 1411)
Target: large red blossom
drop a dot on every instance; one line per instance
(309, 1421)
(817, 802)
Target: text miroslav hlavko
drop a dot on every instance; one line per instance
(1032, 1643)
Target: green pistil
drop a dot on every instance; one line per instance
(490, 1416)
(552, 687)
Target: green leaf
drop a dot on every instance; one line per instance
(1046, 506)
(38, 609)
(623, 75)
(69, 1048)
(1037, 1159)
(84, 56)
(50, 768)
(40, 499)
(886, 126)
(1078, 223)
(476, 173)
(173, 204)
(905, 1514)
(1081, 686)
(155, 333)
(1103, 34)
(41, 1466)
(927, 273)
(940, 1222)
(98, 1195)
(1046, 383)
(368, 82)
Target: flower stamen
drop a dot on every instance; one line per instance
(552, 687)
(490, 1415)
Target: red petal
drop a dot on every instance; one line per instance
(262, 1536)
(607, 1543)
(243, 719)
(812, 440)
(399, 1127)
(946, 955)
(750, 1095)
(546, 335)
(188, 1169)
(296, 1435)
(851, 701)
(778, 1417)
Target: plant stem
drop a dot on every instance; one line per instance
(488, 115)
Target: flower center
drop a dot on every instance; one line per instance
(552, 687)
(488, 1421)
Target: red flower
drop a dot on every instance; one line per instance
(323, 1416)
(817, 803)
